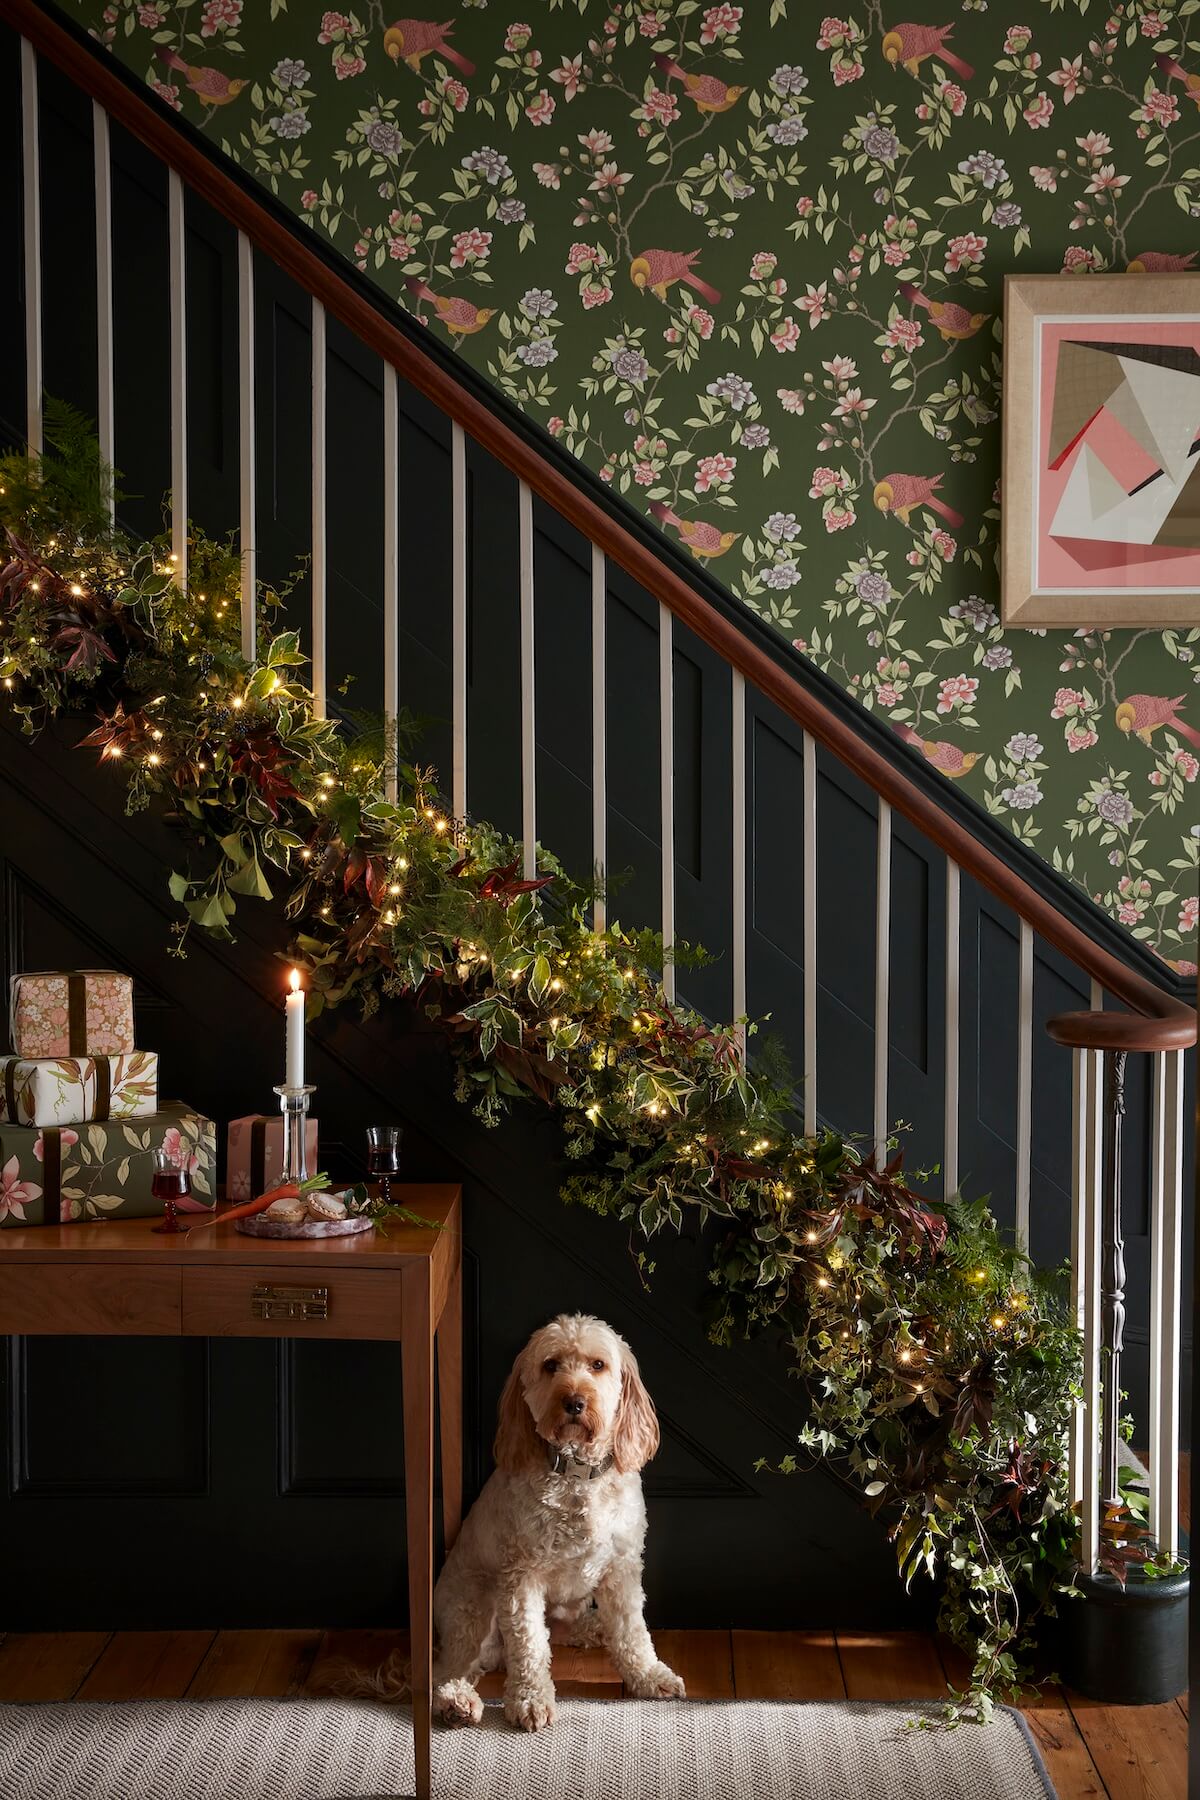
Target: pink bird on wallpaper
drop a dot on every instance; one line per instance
(1168, 66)
(954, 322)
(947, 759)
(409, 40)
(462, 318)
(1159, 262)
(909, 45)
(1141, 715)
(899, 494)
(710, 93)
(701, 538)
(657, 270)
(209, 85)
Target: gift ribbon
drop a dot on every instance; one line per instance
(51, 1172)
(102, 1105)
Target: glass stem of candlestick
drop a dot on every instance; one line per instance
(293, 1104)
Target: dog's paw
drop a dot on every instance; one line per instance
(656, 1683)
(531, 1712)
(457, 1703)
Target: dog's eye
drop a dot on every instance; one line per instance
(598, 1364)
(550, 1366)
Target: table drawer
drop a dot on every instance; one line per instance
(275, 1301)
(42, 1299)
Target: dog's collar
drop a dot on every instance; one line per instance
(565, 1461)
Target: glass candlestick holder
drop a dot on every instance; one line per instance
(294, 1104)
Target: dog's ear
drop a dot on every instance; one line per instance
(517, 1447)
(635, 1430)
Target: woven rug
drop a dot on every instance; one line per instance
(596, 1750)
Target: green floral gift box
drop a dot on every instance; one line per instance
(66, 1175)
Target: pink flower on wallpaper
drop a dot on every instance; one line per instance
(1039, 112)
(15, 1194)
(581, 257)
(887, 694)
(952, 96)
(517, 36)
(825, 482)
(1094, 143)
(968, 251)
(834, 32)
(956, 691)
(569, 76)
(1046, 180)
(399, 248)
(700, 321)
(1069, 77)
(644, 473)
(1186, 763)
(1079, 737)
(332, 22)
(548, 174)
(905, 334)
(813, 302)
(649, 24)
(167, 91)
(220, 15)
(844, 72)
(785, 336)
(945, 545)
(1128, 913)
(455, 93)
(1016, 40)
(720, 22)
(1105, 180)
(554, 425)
(540, 110)
(149, 18)
(1189, 914)
(66, 1138)
(791, 399)
(1077, 260)
(469, 247)
(714, 471)
(1160, 109)
(595, 294)
(346, 65)
(842, 368)
(839, 516)
(1065, 701)
(308, 199)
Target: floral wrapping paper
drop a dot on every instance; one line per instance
(57, 1175)
(70, 1090)
(86, 1012)
(254, 1154)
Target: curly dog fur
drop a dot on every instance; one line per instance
(545, 1544)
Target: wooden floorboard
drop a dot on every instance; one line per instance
(703, 1658)
(255, 1662)
(891, 1665)
(1139, 1751)
(47, 1665)
(787, 1665)
(146, 1665)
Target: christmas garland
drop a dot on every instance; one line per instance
(941, 1368)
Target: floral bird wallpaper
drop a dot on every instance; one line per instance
(746, 262)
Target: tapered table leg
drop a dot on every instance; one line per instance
(450, 1406)
(418, 1503)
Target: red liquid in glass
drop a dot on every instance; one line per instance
(170, 1185)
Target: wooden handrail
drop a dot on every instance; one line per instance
(1156, 1020)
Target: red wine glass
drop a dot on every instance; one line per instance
(383, 1156)
(170, 1184)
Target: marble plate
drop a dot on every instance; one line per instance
(256, 1226)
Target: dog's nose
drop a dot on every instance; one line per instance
(573, 1405)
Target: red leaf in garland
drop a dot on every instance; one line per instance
(501, 884)
(356, 863)
(119, 732)
(377, 882)
(90, 647)
(259, 757)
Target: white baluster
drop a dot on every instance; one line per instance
(102, 171)
(810, 933)
(1024, 1084)
(528, 685)
(952, 1028)
(1166, 1232)
(737, 712)
(666, 755)
(458, 617)
(883, 972)
(391, 559)
(247, 436)
(599, 730)
(177, 257)
(31, 207)
(319, 575)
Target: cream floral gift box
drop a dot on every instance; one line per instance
(70, 1090)
(85, 1012)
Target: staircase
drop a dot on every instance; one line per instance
(916, 964)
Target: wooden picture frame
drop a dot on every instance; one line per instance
(1100, 490)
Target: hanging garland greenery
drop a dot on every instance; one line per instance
(941, 1369)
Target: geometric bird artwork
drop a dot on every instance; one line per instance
(1100, 496)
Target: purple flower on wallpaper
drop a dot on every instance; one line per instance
(789, 78)
(1115, 809)
(781, 527)
(986, 169)
(511, 212)
(290, 73)
(879, 142)
(1024, 797)
(1023, 746)
(779, 575)
(290, 124)
(1007, 215)
(734, 389)
(538, 303)
(975, 612)
(489, 163)
(537, 352)
(789, 129)
(755, 437)
(997, 656)
(873, 588)
(384, 138)
(630, 365)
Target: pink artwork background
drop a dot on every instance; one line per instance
(1106, 565)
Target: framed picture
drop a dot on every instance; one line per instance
(1100, 494)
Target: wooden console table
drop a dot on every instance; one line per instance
(118, 1278)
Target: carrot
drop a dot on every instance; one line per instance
(287, 1190)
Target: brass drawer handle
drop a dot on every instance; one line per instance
(268, 1302)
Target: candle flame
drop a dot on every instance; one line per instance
(294, 981)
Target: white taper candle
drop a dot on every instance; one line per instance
(295, 1032)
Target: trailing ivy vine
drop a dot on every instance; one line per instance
(941, 1368)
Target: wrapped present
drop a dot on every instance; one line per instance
(62, 1175)
(88, 1012)
(254, 1159)
(69, 1090)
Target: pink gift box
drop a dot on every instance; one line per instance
(84, 1012)
(254, 1160)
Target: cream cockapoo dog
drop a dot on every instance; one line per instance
(556, 1534)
